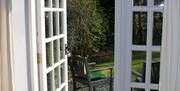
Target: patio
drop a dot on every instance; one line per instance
(100, 88)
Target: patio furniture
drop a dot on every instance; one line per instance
(90, 78)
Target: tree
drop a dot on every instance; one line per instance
(87, 27)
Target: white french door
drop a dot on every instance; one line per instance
(143, 52)
(52, 38)
(138, 44)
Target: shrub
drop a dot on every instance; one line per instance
(87, 27)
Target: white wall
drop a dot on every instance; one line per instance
(19, 39)
(6, 69)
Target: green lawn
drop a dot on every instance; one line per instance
(138, 60)
(109, 63)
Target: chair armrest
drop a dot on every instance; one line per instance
(102, 69)
(91, 64)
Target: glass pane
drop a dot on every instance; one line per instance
(140, 2)
(63, 89)
(47, 24)
(55, 3)
(157, 28)
(49, 82)
(62, 49)
(62, 73)
(55, 49)
(138, 66)
(159, 2)
(139, 28)
(154, 90)
(56, 77)
(48, 54)
(60, 23)
(47, 3)
(155, 67)
(60, 4)
(137, 89)
(55, 22)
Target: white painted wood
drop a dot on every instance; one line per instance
(54, 9)
(65, 42)
(41, 45)
(18, 28)
(31, 45)
(123, 44)
(42, 41)
(170, 64)
(54, 38)
(55, 65)
(145, 8)
(120, 83)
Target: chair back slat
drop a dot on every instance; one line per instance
(79, 66)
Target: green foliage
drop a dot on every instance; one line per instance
(108, 6)
(87, 27)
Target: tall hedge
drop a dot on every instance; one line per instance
(87, 27)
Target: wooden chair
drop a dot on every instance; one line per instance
(90, 78)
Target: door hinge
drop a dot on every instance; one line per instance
(39, 58)
(67, 52)
(66, 49)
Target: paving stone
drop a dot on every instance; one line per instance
(99, 88)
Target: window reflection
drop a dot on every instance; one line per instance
(137, 89)
(139, 28)
(138, 66)
(157, 28)
(140, 2)
(159, 2)
(155, 67)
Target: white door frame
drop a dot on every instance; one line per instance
(120, 45)
(31, 35)
(23, 27)
(18, 68)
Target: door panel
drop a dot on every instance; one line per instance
(52, 38)
(145, 34)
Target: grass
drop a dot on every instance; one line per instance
(138, 59)
(107, 63)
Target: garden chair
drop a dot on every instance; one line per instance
(81, 73)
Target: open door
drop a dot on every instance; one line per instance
(138, 44)
(52, 38)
